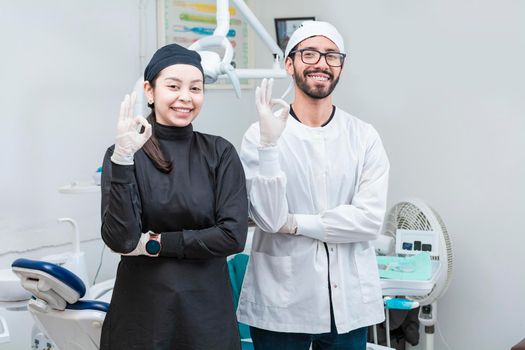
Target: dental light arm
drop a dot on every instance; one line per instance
(223, 18)
(215, 67)
(212, 64)
(259, 29)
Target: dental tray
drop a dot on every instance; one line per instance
(408, 287)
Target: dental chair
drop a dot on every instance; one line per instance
(71, 323)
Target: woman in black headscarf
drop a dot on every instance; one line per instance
(174, 205)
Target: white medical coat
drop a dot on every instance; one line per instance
(334, 180)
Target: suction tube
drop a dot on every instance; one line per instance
(76, 239)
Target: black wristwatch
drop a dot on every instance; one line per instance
(153, 245)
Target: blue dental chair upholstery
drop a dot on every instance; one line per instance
(71, 323)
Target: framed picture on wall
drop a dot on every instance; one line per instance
(184, 22)
(284, 27)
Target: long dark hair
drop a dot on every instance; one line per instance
(152, 146)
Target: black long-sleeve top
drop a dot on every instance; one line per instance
(200, 208)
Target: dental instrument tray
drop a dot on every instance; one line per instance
(402, 285)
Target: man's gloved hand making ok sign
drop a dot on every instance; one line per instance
(271, 125)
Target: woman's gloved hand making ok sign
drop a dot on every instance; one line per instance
(129, 138)
(271, 125)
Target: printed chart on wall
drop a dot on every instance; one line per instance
(184, 22)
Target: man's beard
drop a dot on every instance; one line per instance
(315, 92)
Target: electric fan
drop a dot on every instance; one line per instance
(414, 217)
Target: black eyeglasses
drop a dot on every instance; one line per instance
(311, 56)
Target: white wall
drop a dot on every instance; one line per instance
(441, 81)
(65, 66)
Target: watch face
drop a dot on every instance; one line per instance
(153, 247)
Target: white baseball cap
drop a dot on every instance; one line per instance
(314, 28)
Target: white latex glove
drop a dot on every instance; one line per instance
(129, 139)
(271, 125)
(290, 225)
(141, 246)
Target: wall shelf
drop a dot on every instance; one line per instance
(77, 187)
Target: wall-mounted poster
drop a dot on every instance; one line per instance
(184, 22)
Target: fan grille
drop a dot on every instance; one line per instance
(407, 216)
(447, 243)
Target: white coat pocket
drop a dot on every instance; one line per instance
(365, 260)
(269, 281)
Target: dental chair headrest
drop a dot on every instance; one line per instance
(52, 283)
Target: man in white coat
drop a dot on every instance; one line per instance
(317, 184)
